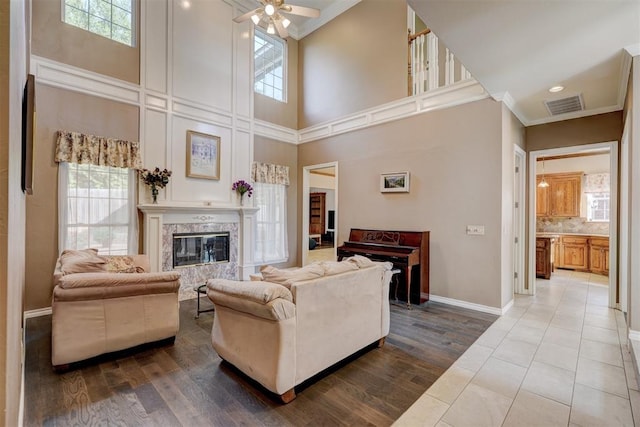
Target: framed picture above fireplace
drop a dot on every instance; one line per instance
(203, 155)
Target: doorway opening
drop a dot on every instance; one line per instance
(573, 214)
(319, 212)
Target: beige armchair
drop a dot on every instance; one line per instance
(103, 304)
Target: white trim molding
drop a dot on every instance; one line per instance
(471, 305)
(65, 76)
(75, 79)
(437, 99)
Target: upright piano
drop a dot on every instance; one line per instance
(407, 250)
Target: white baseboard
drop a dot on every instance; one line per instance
(37, 312)
(470, 305)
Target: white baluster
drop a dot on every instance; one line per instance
(421, 64)
(432, 60)
(464, 73)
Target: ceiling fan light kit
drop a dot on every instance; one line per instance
(268, 16)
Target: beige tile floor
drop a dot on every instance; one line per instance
(558, 358)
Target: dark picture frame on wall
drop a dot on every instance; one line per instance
(28, 133)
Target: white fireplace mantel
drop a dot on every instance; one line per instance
(156, 215)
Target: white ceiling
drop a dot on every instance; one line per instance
(518, 49)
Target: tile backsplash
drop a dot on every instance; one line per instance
(571, 225)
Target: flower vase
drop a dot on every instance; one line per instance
(154, 194)
(241, 199)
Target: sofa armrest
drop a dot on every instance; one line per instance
(267, 300)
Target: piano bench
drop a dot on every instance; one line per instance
(395, 281)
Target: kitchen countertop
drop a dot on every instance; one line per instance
(550, 234)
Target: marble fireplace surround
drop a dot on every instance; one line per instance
(161, 221)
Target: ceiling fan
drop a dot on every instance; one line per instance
(269, 15)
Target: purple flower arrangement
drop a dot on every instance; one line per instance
(241, 187)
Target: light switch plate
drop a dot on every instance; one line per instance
(476, 230)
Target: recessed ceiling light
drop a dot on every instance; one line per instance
(186, 4)
(556, 89)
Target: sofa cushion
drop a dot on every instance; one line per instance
(337, 267)
(81, 261)
(288, 276)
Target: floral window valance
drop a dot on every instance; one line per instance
(597, 183)
(270, 174)
(75, 147)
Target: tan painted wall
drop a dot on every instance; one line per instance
(455, 181)
(282, 113)
(51, 38)
(350, 64)
(13, 72)
(82, 113)
(586, 130)
(280, 153)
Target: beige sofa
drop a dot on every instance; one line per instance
(282, 334)
(103, 310)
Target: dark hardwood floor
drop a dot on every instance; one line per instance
(186, 383)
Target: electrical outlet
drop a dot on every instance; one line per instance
(476, 230)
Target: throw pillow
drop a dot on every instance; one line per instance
(256, 278)
(289, 276)
(120, 264)
(360, 261)
(335, 267)
(81, 261)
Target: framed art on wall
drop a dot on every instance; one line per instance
(28, 133)
(203, 155)
(397, 182)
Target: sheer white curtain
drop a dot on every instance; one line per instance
(271, 237)
(102, 217)
(270, 192)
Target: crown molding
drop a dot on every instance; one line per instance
(633, 50)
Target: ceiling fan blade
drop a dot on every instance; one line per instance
(247, 15)
(300, 10)
(282, 31)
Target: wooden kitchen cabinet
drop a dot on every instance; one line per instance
(543, 257)
(562, 197)
(573, 252)
(542, 198)
(316, 213)
(599, 255)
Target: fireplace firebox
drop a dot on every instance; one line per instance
(191, 249)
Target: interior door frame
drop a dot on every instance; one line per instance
(304, 243)
(613, 210)
(519, 221)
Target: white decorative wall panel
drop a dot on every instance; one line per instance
(243, 67)
(202, 56)
(155, 46)
(184, 189)
(242, 153)
(154, 152)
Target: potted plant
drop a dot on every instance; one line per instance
(242, 187)
(155, 179)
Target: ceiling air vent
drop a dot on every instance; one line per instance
(565, 105)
